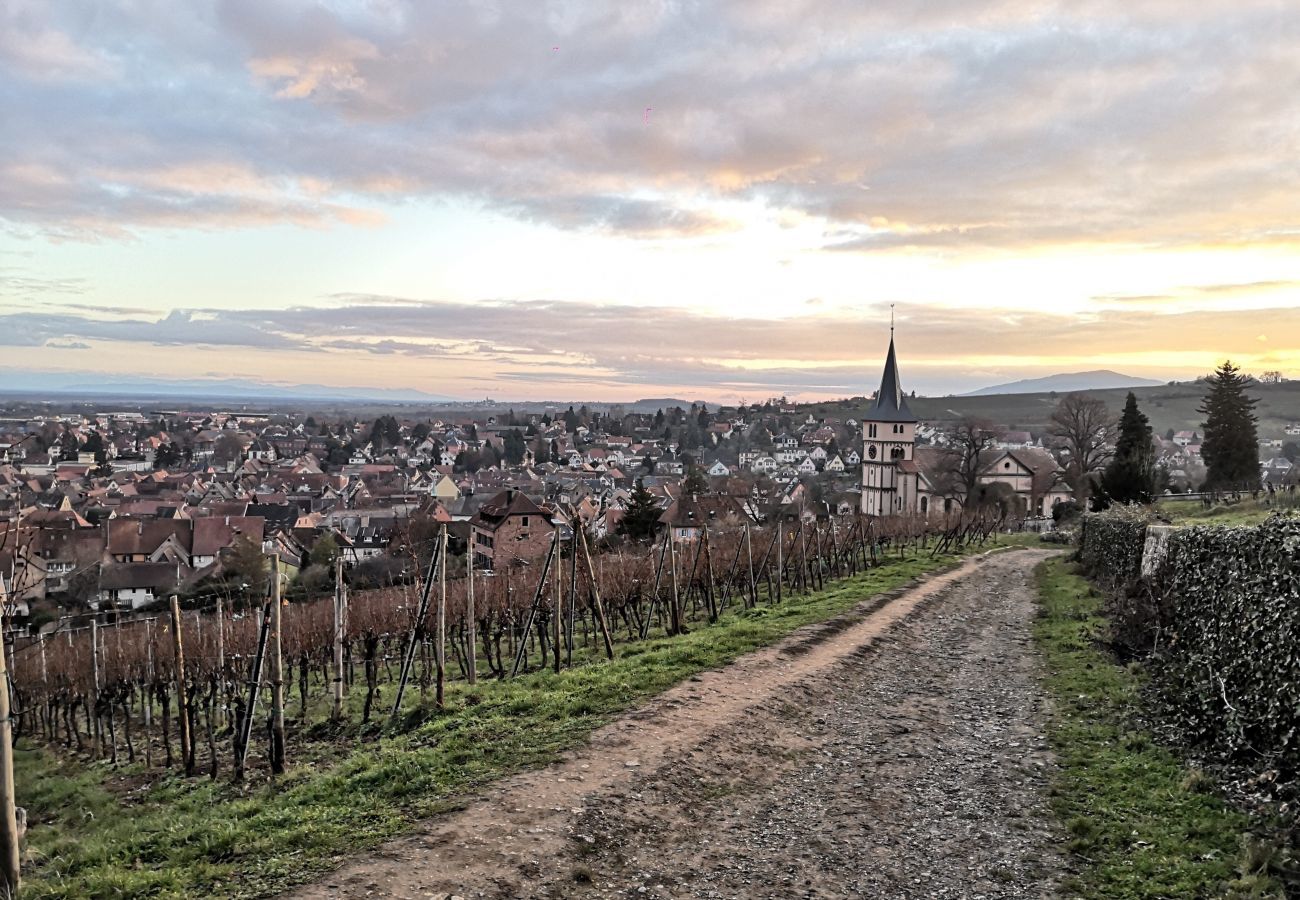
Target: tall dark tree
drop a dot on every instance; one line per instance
(1131, 476)
(641, 517)
(696, 483)
(515, 446)
(1231, 444)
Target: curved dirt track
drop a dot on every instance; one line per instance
(894, 752)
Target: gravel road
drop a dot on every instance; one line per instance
(896, 752)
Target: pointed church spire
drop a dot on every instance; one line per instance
(891, 403)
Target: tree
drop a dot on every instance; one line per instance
(695, 482)
(1291, 450)
(1082, 423)
(1132, 475)
(166, 457)
(641, 517)
(244, 561)
(227, 448)
(94, 445)
(515, 446)
(970, 441)
(1231, 444)
(324, 551)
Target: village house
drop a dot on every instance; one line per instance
(509, 528)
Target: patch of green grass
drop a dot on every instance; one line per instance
(1139, 823)
(1246, 512)
(195, 838)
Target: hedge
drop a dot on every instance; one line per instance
(1231, 670)
(1221, 616)
(1110, 546)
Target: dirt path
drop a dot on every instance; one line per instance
(894, 752)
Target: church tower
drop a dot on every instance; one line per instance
(889, 473)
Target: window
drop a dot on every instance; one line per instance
(523, 522)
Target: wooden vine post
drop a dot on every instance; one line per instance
(254, 688)
(10, 859)
(339, 601)
(749, 559)
(780, 554)
(221, 635)
(710, 599)
(557, 612)
(277, 671)
(440, 626)
(471, 625)
(522, 649)
(573, 604)
(595, 593)
(182, 700)
(417, 626)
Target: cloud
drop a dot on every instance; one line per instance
(938, 125)
(180, 327)
(550, 342)
(34, 287)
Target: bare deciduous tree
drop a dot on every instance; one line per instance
(1083, 423)
(969, 444)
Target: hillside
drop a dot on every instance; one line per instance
(1167, 406)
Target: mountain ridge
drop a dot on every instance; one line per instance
(1066, 382)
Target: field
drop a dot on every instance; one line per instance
(1167, 406)
(99, 829)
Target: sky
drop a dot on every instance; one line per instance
(607, 201)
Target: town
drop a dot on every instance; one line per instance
(115, 511)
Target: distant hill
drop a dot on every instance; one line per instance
(655, 404)
(1097, 380)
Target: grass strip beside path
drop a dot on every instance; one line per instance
(177, 838)
(1140, 823)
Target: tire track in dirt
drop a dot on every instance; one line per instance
(854, 758)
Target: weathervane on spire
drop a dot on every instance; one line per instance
(891, 320)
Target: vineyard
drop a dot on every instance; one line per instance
(184, 690)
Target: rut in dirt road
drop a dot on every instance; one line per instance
(900, 756)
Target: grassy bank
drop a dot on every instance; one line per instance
(1140, 823)
(1245, 512)
(178, 838)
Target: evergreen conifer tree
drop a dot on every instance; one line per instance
(641, 518)
(695, 483)
(515, 446)
(1131, 475)
(1231, 444)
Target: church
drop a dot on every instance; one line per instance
(889, 472)
(899, 478)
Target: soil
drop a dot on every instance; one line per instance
(897, 751)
